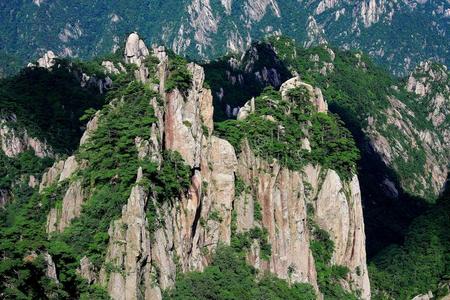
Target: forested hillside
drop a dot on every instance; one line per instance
(268, 175)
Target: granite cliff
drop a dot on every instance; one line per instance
(229, 192)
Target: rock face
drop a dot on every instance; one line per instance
(283, 196)
(91, 126)
(315, 94)
(141, 264)
(59, 218)
(60, 171)
(129, 251)
(4, 197)
(208, 29)
(142, 260)
(15, 140)
(431, 86)
(339, 211)
(47, 60)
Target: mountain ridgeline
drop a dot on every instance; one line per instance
(398, 34)
(141, 175)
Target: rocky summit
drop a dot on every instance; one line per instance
(225, 150)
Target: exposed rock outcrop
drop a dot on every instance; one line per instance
(246, 110)
(430, 83)
(59, 218)
(129, 251)
(135, 50)
(5, 197)
(60, 171)
(142, 260)
(87, 270)
(47, 60)
(315, 94)
(16, 140)
(339, 211)
(283, 196)
(91, 126)
(51, 267)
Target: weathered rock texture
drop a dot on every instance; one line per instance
(15, 140)
(428, 136)
(283, 196)
(59, 218)
(141, 263)
(315, 94)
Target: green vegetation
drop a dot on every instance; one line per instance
(242, 242)
(108, 178)
(421, 264)
(25, 164)
(172, 180)
(277, 128)
(48, 104)
(174, 177)
(328, 275)
(23, 244)
(358, 90)
(239, 83)
(179, 76)
(229, 277)
(113, 163)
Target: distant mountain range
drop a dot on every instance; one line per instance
(398, 34)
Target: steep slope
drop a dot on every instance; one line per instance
(152, 193)
(421, 265)
(39, 117)
(399, 34)
(399, 124)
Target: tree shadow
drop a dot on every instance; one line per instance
(388, 212)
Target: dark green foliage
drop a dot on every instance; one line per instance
(215, 216)
(242, 242)
(23, 243)
(174, 177)
(257, 212)
(26, 163)
(357, 89)
(417, 33)
(229, 277)
(48, 104)
(179, 76)
(280, 136)
(113, 163)
(328, 275)
(333, 145)
(239, 186)
(245, 85)
(421, 263)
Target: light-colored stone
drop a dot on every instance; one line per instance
(5, 197)
(427, 296)
(51, 175)
(91, 127)
(51, 267)
(70, 167)
(16, 140)
(315, 94)
(339, 212)
(129, 250)
(246, 110)
(47, 60)
(87, 270)
(59, 218)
